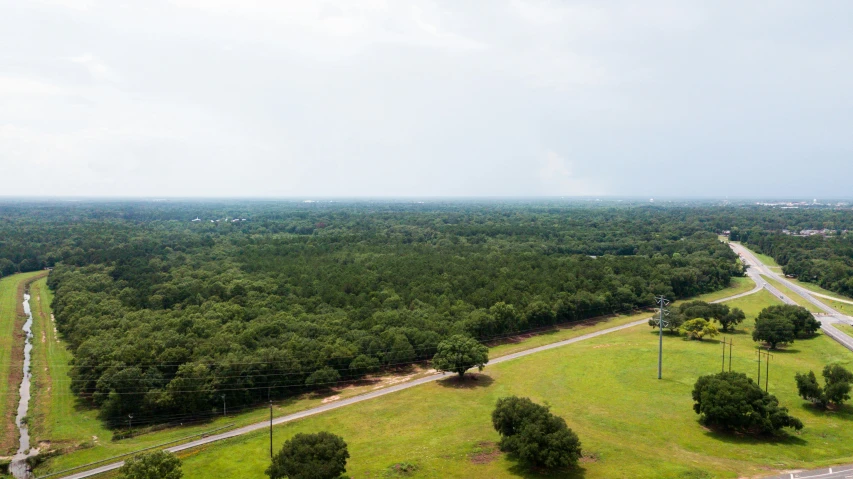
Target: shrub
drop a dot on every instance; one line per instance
(732, 401)
(310, 456)
(535, 436)
(153, 465)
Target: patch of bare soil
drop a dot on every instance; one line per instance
(589, 457)
(331, 399)
(488, 452)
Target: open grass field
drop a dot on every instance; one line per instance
(59, 417)
(631, 424)
(11, 355)
(794, 296)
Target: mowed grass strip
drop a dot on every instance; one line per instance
(631, 424)
(58, 419)
(846, 328)
(54, 423)
(817, 289)
(794, 296)
(11, 354)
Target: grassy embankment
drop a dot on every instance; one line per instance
(11, 354)
(631, 424)
(61, 419)
(845, 327)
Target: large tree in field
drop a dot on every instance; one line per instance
(310, 456)
(731, 319)
(534, 435)
(460, 353)
(773, 330)
(153, 465)
(836, 390)
(802, 321)
(732, 401)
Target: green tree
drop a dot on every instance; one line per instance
(152, 465)
(363, 364)
(325, 378)
(699, 328)
(773, 330)
(836, 390)
(838, 382)
(802, 321)
(460, 353)
(732, 401)
(534, 435)
(673, 322)
(310, 456)
(810, 390)
(731, 319)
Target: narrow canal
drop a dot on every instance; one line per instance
(18, 468)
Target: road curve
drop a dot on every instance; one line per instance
(374, 394)
(834, 472)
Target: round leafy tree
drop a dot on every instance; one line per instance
(534, 435)
(733, 401)
(460, 353)
(773, 330)
(323, 378)
(310, 456)
(153, 465)
(699, 328)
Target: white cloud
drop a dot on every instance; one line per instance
(96, 68)
(558, 178)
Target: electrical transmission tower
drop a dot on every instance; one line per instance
(662, 323)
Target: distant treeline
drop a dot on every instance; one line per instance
(826, 261)
(165, 315)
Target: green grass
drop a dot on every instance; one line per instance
(57, 416)
(767, 260)
(9, 300)
(845, 327)
(61, 419)
(844, 308)
(794, 296)
(817, 289)
(605, 388)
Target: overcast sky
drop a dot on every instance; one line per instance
(426, 98)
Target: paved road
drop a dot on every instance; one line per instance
(835, 472)
(374, 394)
(830, 316)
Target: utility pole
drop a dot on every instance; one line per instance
(223, 406)
(270, 429)
(662, 302)
(759, 366)
(767, 371)
(724, 356)
(730, 354)
(130, 424)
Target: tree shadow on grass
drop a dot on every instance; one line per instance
(470, 381)
(521, 470)
(843, 412)
(782, 438)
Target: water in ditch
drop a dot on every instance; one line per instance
(18, 468)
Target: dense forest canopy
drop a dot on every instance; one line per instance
(264, 299)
